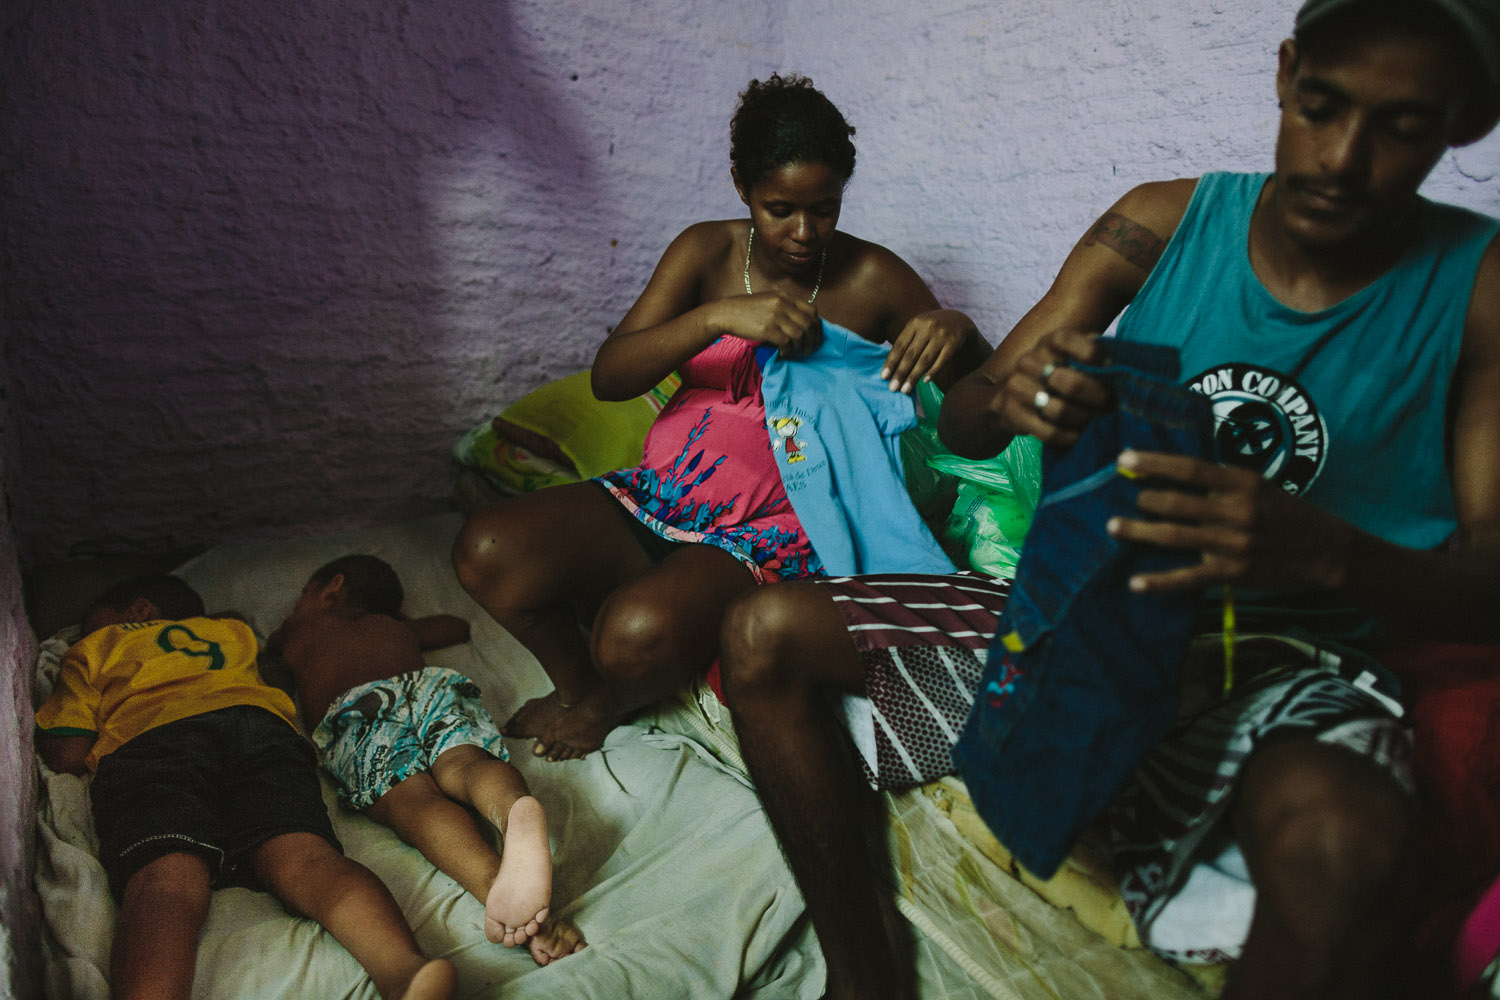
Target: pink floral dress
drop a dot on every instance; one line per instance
(708, 474)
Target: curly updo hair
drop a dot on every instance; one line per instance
(783, 120)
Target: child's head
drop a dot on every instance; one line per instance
(154, 597)
(369, 584)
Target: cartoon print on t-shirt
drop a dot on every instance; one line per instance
(786, 431)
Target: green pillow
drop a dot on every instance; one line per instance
(560, 433)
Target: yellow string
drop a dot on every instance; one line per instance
(1228, 640)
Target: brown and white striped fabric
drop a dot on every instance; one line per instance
(922, 641)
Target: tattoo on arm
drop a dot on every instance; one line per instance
(1127, 238)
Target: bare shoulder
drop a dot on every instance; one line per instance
(1159, 204)
(708, 241)
(870, 289)
(695, 263)
(867, 261)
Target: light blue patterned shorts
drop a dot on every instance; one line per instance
(378, 734)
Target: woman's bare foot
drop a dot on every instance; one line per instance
(580, 730)
(557, 938)
(535, 717)
(436, 980)
(518, 899)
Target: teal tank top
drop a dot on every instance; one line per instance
(1345, 406)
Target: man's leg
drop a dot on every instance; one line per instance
(1328, 838)
(156, 932)
(313, 880)
(783, 646)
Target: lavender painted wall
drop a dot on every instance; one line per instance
(266, 262)
(20, 934)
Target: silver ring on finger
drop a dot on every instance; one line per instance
(1040, 400)
(1046, 374)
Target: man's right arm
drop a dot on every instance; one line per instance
(984, 410)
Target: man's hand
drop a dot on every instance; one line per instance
(1047, 398)
(1247, 530)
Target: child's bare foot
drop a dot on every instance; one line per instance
(517, 902)
(557, 938)
(436, 980)
(579, 731)
(534, 717)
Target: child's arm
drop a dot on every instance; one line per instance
(67, 723)
(438, 631)
(65, 754)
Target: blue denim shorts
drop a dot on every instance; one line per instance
(1081, 681)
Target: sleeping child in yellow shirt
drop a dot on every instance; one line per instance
(201, 780)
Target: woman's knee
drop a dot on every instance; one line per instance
(483, 548)
(636, 641)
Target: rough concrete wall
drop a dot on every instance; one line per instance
(265, 262)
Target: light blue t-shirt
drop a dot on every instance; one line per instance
(835, 426)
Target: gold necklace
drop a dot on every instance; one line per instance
(823, 259)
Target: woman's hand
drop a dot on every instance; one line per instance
(791, 325)
(927, 343)
(1247, 530)
(1044, 396)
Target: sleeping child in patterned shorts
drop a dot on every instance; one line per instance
(411, 747)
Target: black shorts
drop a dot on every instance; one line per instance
(656, 547)
(216, 785)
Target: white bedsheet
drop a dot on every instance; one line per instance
(662, 857)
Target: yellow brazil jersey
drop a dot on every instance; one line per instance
(121, 680)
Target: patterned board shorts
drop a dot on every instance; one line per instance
(378, 734)
(923, 641)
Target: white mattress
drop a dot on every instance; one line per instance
(662, 856)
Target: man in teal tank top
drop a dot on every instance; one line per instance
(1348, 333)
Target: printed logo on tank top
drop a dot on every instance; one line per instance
(1265, 421)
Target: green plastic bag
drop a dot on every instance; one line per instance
(932, 491)
(996, 503)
